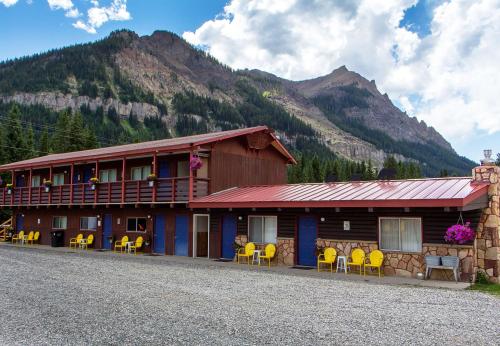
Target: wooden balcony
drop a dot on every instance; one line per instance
(164, 191)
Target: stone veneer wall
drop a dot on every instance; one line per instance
(409, 264)
(487, 243)
(285, 249)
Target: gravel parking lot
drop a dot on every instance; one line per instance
(69, 298)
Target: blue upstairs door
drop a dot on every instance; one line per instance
(20, 181)
(107, 231)
(163, 169)
(228, 235)
(19, 222)
(159, 234)
(181, 235)
(307, 241)
(87, 174)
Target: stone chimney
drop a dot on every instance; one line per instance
(487, 244)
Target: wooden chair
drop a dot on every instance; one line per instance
(246, 252)
(17, 237)
(268, 254)
(85, 243)
(327, 257)
(75, 241)
(35, 238)
(357, 259)
(120, 244)
(376, 259)
(136, 245)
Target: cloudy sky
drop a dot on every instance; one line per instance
(437, 60)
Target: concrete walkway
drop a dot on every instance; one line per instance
(284, 270)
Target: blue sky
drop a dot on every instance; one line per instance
(432, 57)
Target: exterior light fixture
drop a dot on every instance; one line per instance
(240, 218)
(322, 219)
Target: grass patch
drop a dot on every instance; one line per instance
(493, 289)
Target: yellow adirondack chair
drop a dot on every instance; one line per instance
(31, 234)
(268, 254)
(357, 259)
(246, 252)
(137, 245)
(75, 241)
(17, 237)
(87, 242)
(327, 257)
(120, 244)
(35, 238)
(376, 259)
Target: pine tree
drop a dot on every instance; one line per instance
(44, 146)
(390, 162)
(14, 143)
(60, 139)
(89, 139)
(76, 129)
(30, 143)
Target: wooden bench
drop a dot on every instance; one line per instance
(445, 262)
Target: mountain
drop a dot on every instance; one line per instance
(159, 85)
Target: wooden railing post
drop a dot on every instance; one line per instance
(30, 186)
(123, 181)
(191, 178)
(155, 172)
(12, 178)
(173, 189)
(72, 178)
(97, 176)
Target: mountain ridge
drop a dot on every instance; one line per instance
(143, 75)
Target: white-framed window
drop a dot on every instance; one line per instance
(88, 223)
(400, 234)
(262, 229)
(140, 173)
(58, 179)
(136, 224)
(107, 175)
(35, 181)
(60, 222)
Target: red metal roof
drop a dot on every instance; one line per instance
(438, 192)
(165, 145)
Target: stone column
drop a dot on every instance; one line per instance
(487, 243)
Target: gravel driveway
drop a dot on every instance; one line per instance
(68, 298)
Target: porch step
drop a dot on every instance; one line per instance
(4, 230)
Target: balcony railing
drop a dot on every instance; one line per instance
(165, 190)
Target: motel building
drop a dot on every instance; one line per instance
(197, 196)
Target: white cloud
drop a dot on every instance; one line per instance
(449, 78)
(66, 5)
(98, 15)
(8, 3)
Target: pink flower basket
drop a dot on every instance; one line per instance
(195, 163)
(460, 234)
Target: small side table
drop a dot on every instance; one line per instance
(256, 256)
(342, 263)
(128, 245)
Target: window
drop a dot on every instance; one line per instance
(140, 173)
(262, 229)
(401, 234)
(183, 168)
(59, 222)
(88, 223)
(58, 179)
(107, 175)
(35, 181)
(136, 224)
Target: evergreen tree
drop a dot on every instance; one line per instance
(30, 143)
(76, 141)
(498, 159)
(44, 146)
(60, 142)
(14, 143)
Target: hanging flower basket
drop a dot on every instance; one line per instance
(93, 183)
(460, 234)
(47, 184)
(151, 179)
(195, 163)
(9, 188)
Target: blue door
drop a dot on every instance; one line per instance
(228, 235)
(307, 241)
(159, 234)
(19, 222)
(107, 231)
(20, 182)
(163, 169)
(87, 174)
(181, 235)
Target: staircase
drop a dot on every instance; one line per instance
(4, 230)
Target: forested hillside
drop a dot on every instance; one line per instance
(127, 88)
